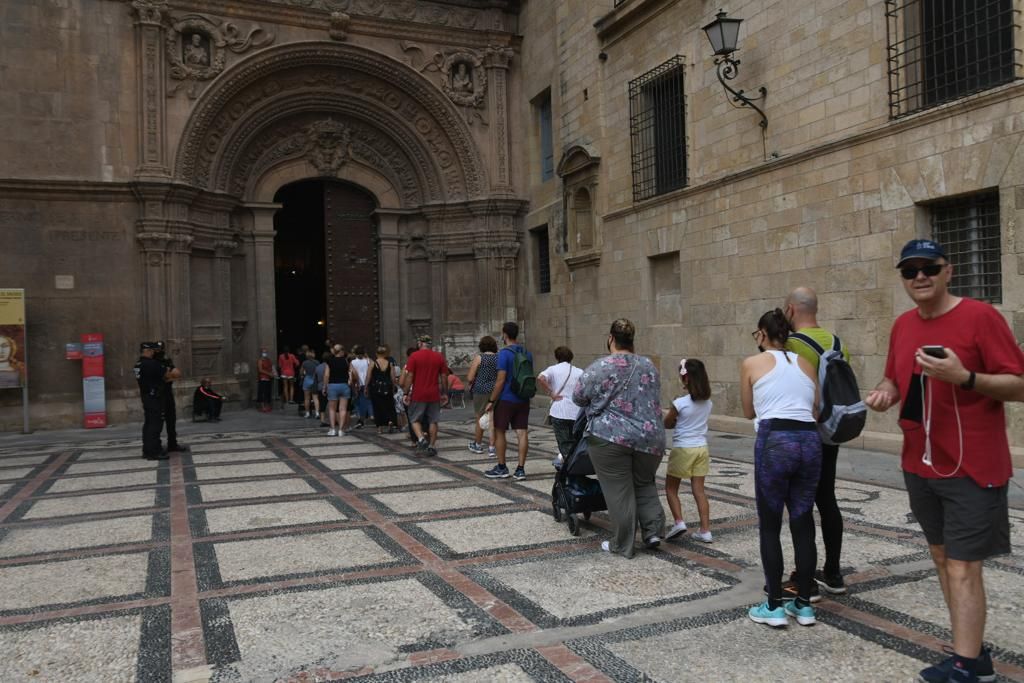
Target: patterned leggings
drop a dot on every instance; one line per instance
(787, 464)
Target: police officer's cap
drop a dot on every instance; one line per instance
(154, 346)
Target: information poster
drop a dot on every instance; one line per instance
(13, 372)
(93, 384)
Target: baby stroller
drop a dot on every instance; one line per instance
(574, 493)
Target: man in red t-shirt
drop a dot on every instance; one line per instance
(426, 372)
(952, 364)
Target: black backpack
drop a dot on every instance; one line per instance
(841, 412)
(381, 384)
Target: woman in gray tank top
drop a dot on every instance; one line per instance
(483, 373)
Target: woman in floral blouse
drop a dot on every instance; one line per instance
(621, 394)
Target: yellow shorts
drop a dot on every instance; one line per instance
(684, 463)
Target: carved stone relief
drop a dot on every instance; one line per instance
(429, 140)
(327, 145)
(403, 10)
(338, 28)
(197, 49)
(460, 75)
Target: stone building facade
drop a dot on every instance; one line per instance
(148, 149)
(853, 163)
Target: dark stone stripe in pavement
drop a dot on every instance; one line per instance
(572, 665)
(31, 485)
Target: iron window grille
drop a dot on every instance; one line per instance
(540, 235)
(657, 130)
(942, 50)
(968, 229)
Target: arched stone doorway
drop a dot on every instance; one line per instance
(446, 222)
(326, 271)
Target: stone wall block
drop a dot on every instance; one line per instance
(894, 192)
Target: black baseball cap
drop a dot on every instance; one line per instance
(153, 346)
(921, 249)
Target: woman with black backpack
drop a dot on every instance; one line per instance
(382, 392)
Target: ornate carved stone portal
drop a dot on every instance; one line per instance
(196, 49)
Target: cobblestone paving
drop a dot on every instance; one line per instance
(299, 557)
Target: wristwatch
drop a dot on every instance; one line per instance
(969, 384)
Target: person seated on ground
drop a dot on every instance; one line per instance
(206, 401)
(455, 389)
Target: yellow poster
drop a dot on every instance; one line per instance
(12, 338)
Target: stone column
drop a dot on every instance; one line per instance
(262, 272)
(155, 262)
(496, 61)
(223, 251)
(436, 257)
(151, 87)
(389, 267)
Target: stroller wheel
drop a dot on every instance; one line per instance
(574, 524)
(586, 515)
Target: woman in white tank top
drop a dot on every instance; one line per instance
(779, 390)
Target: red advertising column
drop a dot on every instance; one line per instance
(93, 385)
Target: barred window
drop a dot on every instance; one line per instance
(540, 237)
(942, 50)
(968, 229)
(547, 148)
(657, 130)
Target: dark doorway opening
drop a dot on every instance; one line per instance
(325, 265)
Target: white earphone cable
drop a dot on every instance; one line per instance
(928, 413)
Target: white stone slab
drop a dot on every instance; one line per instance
(104, 481)
(423, 475)
(56, 537)
(287, 513)
(15, 472)
(608, 582)
(254, 489)
(108, 466)
(28, 460)
(252, 469)
(228, 456)
(436, 500)
(473, 534)
(91, 649)
(217, 446)
(342, 448)
(751, 652)
(289, 631)
(383, 460)
(54, 583)
(281, 555)
(84, 505)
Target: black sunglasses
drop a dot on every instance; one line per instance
(931, 270)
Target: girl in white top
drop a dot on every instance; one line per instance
(558, 382)
(689, 456)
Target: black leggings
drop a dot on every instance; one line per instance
(828, 509)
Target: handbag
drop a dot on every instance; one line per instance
(547, 418)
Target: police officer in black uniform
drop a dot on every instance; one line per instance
(149, 372)
(170, 411)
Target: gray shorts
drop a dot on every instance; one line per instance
(432, 410)
(972, 522)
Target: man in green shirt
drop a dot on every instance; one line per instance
(802, 312)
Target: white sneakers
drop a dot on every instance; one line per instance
(332, 432)
(680, 528)
(677, 528)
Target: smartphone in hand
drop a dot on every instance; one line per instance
(934, 351)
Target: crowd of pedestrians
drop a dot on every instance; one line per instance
(952, 363)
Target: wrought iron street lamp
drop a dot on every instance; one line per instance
(723, 34)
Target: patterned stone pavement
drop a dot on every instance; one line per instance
(292, 556)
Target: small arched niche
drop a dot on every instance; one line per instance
(578, 170)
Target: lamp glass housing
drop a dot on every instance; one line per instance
(723, 33)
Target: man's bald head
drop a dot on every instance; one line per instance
(804, 300)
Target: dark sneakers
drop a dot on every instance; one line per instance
(790, 591)
(159, 456)
(943, 671)
(178, 448)
(497, 472)
(831, 583)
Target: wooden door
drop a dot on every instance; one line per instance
(350, 251)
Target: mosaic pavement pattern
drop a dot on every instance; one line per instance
(300, 557)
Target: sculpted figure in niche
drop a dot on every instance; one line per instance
(462, 79)
(196, 53)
